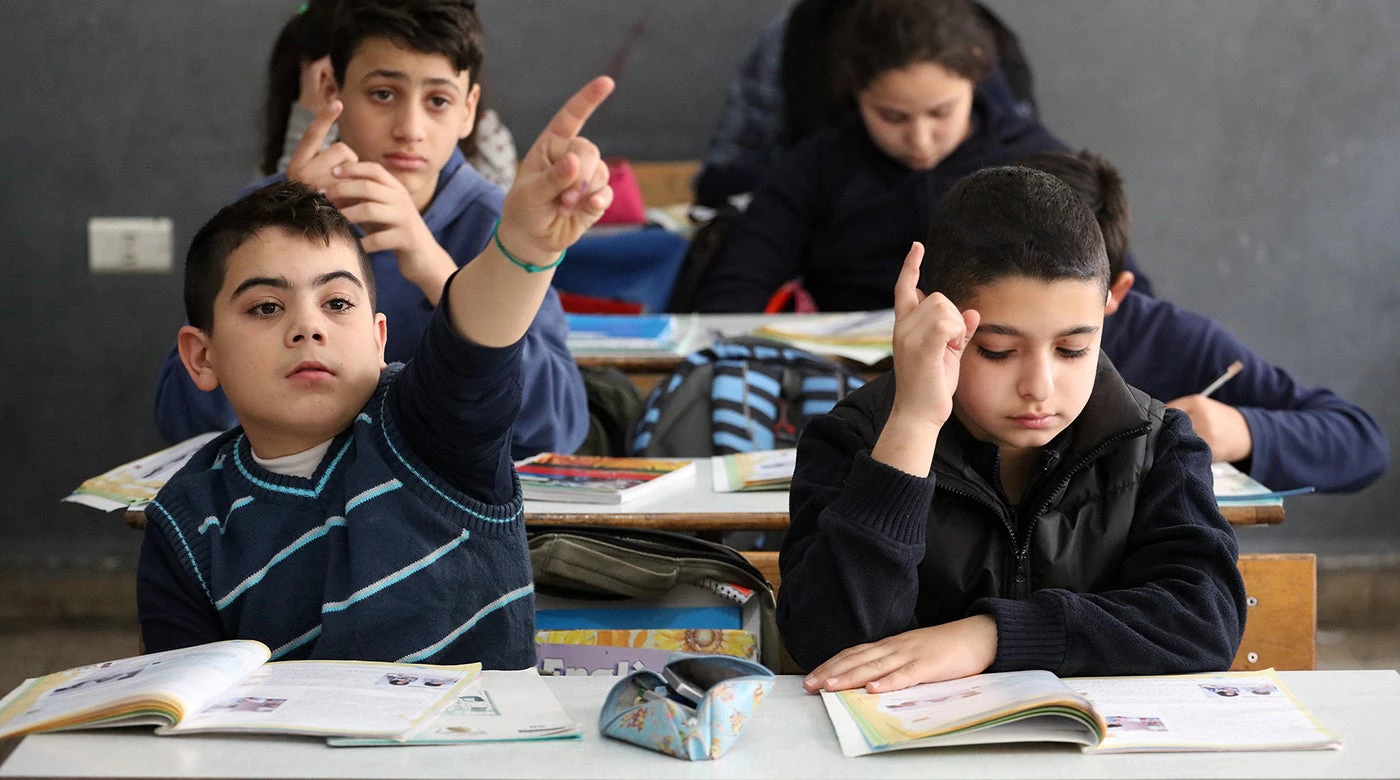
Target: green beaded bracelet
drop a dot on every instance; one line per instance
(529, 268)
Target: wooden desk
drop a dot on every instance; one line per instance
(790, 736)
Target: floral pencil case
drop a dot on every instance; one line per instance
(693, 709)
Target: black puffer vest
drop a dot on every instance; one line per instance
(1070, 529)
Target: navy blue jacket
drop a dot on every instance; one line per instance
(554, 416)
(840, 214)
(1302, 436)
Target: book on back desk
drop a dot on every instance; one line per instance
(590, 479)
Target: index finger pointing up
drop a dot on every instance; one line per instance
(315, 136)
(569, 121)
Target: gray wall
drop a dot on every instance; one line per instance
(1258, 137)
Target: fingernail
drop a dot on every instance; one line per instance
(321, 190)
(875, 686)
(583, 187)
(336, 170)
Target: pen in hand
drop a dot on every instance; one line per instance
(1229, 374)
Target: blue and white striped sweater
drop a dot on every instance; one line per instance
(373, 557)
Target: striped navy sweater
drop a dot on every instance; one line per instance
(406, 544)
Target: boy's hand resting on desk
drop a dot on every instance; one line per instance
(947, 652)
(561, 188)
(930, 335)
(1221, 425)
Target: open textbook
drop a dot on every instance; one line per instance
(135, 484)
(1227, 711)
(497, 706)
(231, 687)
(865, 337)
(1235, 486)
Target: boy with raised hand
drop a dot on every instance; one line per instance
(404, 92)
(360, 511)
(1277, 431)
(1003, 500)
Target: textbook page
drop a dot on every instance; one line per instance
(498, 706)
(1235, 486)
(1029, 706)
(745, 471)
(134, 485)
(340, 698)
(157, 689)
(1228, 711)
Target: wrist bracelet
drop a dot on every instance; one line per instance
(529, 267)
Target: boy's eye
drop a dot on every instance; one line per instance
(340, 304)
(381, 95)
(1072, 353)
(264, 309)
(991, 355)
(893, 119)
(439, 102)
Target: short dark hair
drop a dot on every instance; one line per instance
(447, 27)
(1101, 187)
(289, 206)
(1011, 221)
(877, 36)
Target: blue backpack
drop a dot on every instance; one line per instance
(739, 395)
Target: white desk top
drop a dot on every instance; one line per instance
(789, 737)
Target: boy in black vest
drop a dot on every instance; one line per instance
(1002, 500)
(361, 512)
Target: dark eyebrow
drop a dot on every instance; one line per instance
(398, 75)
(1007, 330)
(281, 282)
(327, 278)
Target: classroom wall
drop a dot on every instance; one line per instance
(1258, 138)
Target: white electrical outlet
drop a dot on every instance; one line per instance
(129, 244)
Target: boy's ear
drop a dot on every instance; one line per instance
(469, 120)
(381, 333)
(193, 345)
(1118, 291)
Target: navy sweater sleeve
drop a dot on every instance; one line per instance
(171, 612)
(1178, 604)
(850, 562)
(1301, 436)
(455, 402)
(183, 410)
(554, 404)
(765, 247)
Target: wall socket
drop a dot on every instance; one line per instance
(129, 244)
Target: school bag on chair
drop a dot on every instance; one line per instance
(614, 406)
(739, 395)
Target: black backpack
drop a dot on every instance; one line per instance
(614, 406)
(739, 395)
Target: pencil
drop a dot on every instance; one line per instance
(1229, 374)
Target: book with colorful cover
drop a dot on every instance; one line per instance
(594, 479)
(1227, 711)
(630, 334)
(231, 686)
(747, 471)
(865, 337)
(1235, 486)
(623, 651)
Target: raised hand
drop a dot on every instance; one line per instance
(947, 652)
(310, 164)
(562, 187)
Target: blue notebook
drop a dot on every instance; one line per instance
(654, 329)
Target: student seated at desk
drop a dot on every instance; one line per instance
(1003, 500)
(1265, 423)
(361, 511)
(840, 208)
(401, 108)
